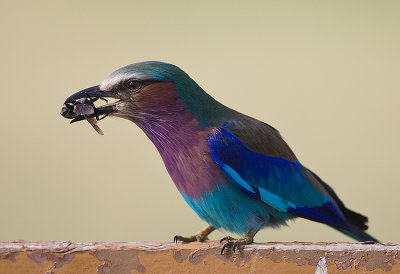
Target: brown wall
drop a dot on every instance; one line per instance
(158, 257)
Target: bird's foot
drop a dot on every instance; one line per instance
(227, 239)
(202, 236)
(236, 243)
(193, 238)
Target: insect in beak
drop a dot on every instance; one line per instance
(80, 106)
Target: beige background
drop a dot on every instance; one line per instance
(325, 73)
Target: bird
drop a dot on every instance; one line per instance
(236, 172)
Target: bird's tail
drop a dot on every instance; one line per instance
(356, 223)
(357, 234)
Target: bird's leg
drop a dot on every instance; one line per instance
(235, 244)
(199, 237)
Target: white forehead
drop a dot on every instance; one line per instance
(115, 78)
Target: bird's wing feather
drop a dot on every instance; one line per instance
(259, 137)
(281, 183)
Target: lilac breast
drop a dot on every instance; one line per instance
(182, 144)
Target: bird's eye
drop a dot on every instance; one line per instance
(134, 85)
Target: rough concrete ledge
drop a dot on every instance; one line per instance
(161, 257)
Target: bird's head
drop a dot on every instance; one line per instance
(147, 90)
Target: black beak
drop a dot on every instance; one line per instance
(85, 99)
(92, 92)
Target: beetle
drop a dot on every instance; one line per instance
(83, 108)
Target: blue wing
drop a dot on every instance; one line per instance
(285, 185)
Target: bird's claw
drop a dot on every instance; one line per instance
(202, 236)
(230, 242)
(234, 243)
(194, 238)
(228, 239)
(177, 238)
(226, 245)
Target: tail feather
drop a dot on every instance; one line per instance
(355, 218)
(358, 234)
(357, 223)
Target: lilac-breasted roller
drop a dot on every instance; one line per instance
(235, 172)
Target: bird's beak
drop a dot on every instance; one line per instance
(86, 98)
(92, 92)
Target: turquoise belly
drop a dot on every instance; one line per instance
(228, 208)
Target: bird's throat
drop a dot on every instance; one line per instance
(183, 146)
